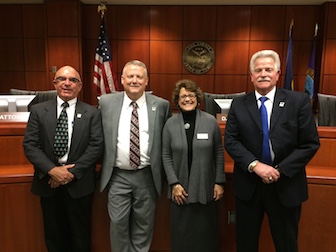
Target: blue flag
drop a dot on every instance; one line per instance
(289, 82)
(309, 84)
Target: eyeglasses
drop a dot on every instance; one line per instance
(63, 79)
(190, 96)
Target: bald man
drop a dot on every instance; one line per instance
(65, 179)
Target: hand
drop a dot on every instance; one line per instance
(218, 192)
(267, 173)
(53, 183)
(61, 174)
(179, 194)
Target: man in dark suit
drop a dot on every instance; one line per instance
(65, 181)
(132, 189)
(270, 179)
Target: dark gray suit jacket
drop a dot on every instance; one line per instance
(85, 150)
(294, 139)
(158, 112)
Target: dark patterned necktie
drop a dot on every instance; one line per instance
(61, 134)
(134, 138)
(265, 151)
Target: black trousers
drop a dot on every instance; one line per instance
(67, 222)
(283, 221)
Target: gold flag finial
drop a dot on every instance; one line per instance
(102, 8)
(316, 29)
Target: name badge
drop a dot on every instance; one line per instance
(202, 136)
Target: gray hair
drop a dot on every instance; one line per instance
(265, 54)
(136, 63)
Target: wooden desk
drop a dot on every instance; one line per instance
(21, 226)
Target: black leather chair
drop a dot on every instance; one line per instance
(210, 105)
(326, 105)
(41, 96)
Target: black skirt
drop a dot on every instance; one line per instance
(195, 227)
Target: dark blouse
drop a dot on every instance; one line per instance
(189, 118)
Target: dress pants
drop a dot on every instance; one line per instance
(283, 221)
(67, 222)
(132, 201)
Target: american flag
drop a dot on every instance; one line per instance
(103, 75)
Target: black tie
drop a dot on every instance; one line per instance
(265, 151)
(61, 134)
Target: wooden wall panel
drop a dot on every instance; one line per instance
(62, 18)
(34, 55)
(330, 47)
(10, 21)
(233, 23)
(37, 81)
(165, 57)
(163, 85)
(11, 60)
(10, 80)
(329, 86)
(133, 49)
(166, 22)
(7, 145)
(133, 22)
(63, 51)
(305, 18)
(199, 23)
(331, 21)
(205, 82)
(232, 57)
(33, 21)
(267, 22)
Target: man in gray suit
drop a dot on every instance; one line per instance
(65, 181)
(133, 189)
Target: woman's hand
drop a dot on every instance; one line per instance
(179, 194)
(218, 192)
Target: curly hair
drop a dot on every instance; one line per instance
(190, 86)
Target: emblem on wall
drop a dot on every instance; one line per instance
(198, 57)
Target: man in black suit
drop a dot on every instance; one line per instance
(66, 183)
(277, 186)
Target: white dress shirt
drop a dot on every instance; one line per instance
(71, 115)
(123, 139)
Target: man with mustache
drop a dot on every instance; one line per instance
(270, 156)
(64, 175)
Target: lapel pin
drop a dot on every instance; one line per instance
(79, 115)
(282, 104)
(153, 108)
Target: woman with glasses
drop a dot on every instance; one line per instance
(193, 160)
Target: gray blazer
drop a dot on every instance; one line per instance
(158, 112)
(207, 166)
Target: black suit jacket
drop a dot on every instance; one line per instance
(86, 147)
(294, 139)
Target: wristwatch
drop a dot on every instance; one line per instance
(252, 165)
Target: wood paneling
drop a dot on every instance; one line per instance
(233, 23)
(34, 55)
(133, 22)
(10, 21)
(331, 21)
(133, 49)
(11, 55)
(63, 51)
(165, 57)
(329, 86)
(199, 23)
(163, 85)
(166, 22)
(232, 57)
(330, 66)
(267, 22)
(33, 21)
(13, 79)
(62, 18)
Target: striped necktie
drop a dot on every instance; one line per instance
(134, 138)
